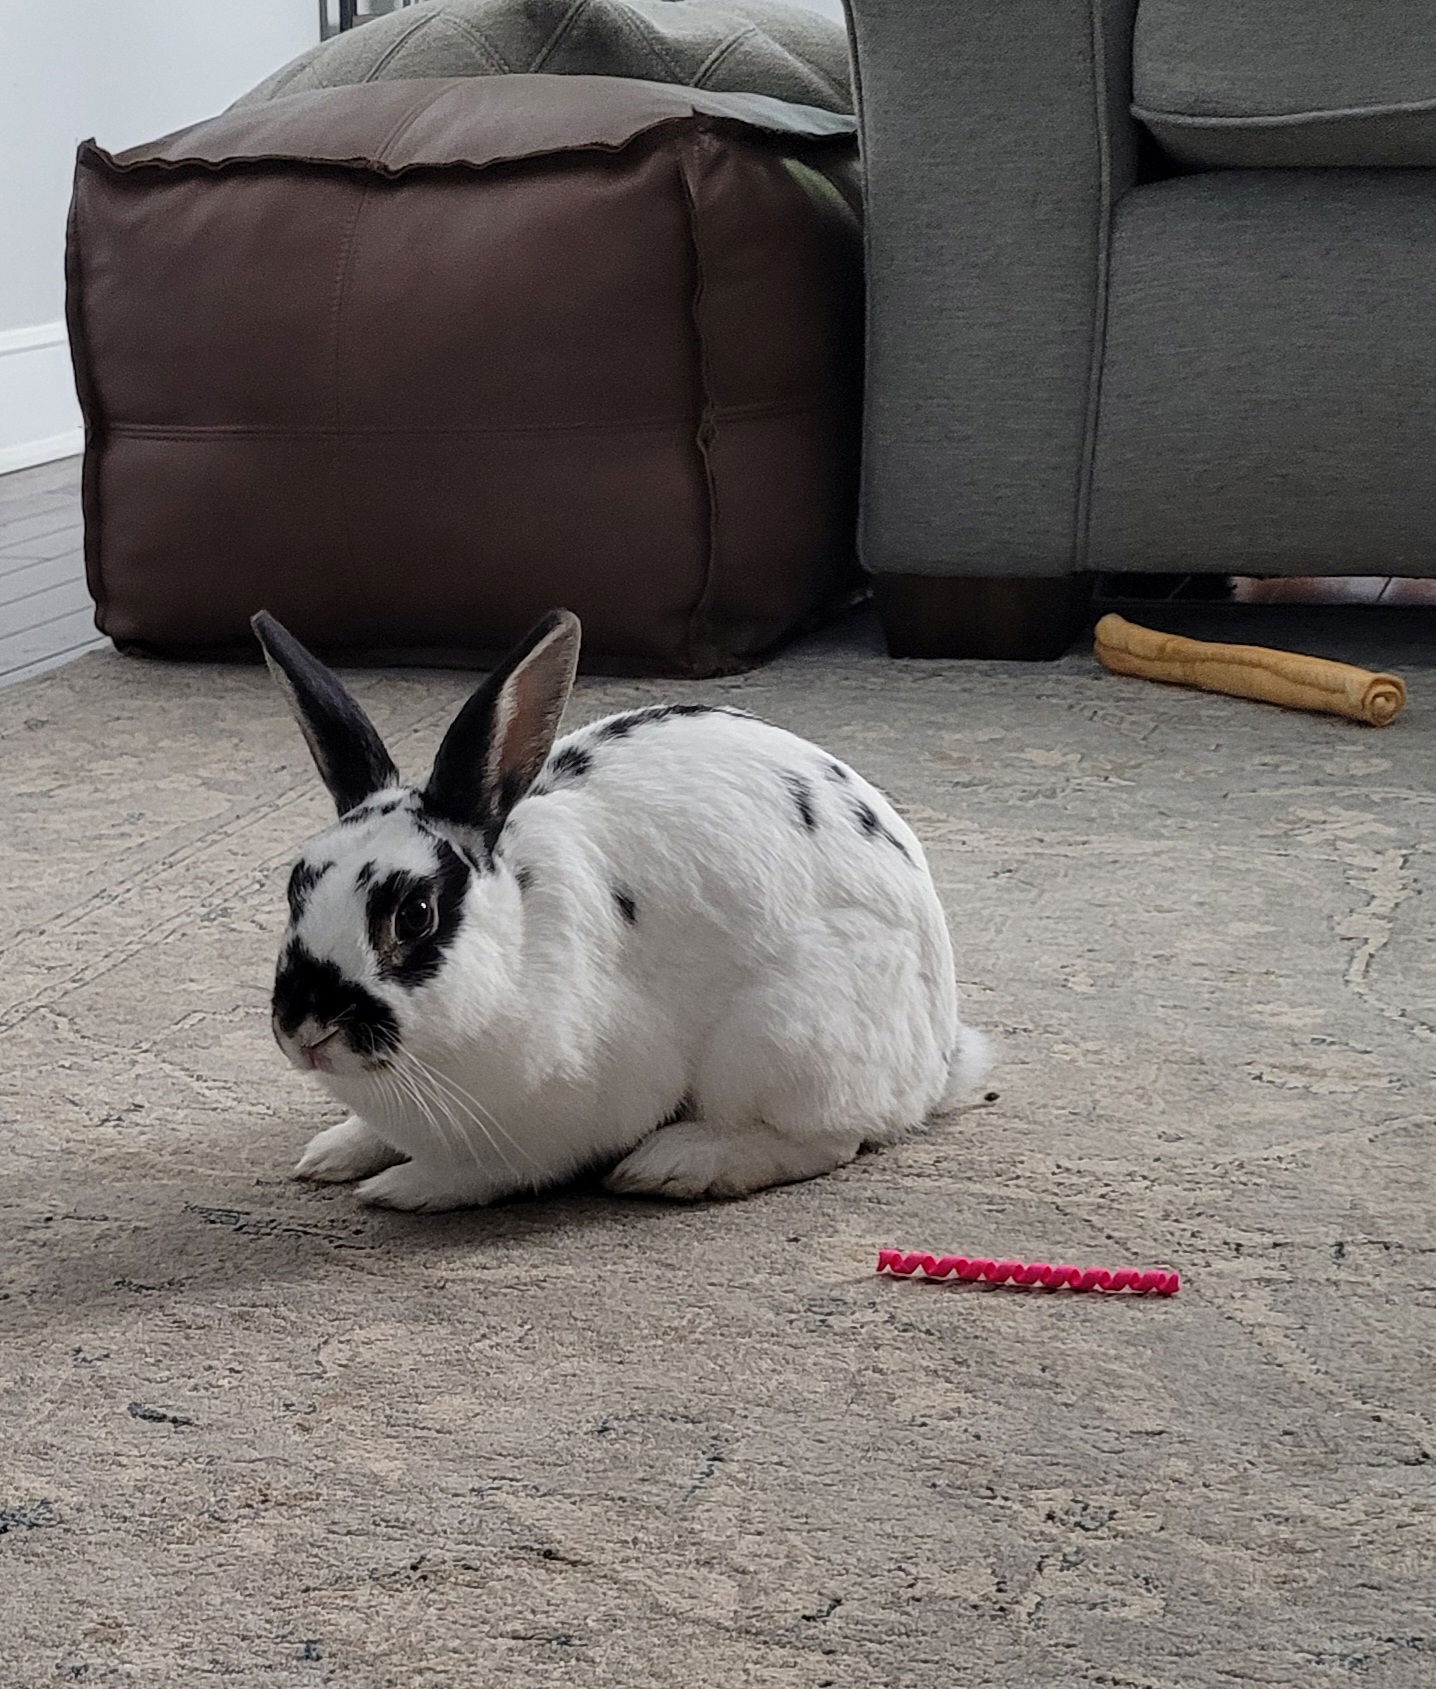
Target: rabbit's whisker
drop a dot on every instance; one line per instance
(471, 1102)
(442, 1114)
(451, 1140)
(450, 1101)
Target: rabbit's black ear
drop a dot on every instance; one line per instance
(498, 742)
(347, 751)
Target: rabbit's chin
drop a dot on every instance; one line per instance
(361, 1083)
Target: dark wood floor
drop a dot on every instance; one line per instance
(46, 616)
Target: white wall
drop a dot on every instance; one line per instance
(123, 71)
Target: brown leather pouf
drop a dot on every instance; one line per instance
(408, 363)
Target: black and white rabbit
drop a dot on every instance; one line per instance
(681, 943)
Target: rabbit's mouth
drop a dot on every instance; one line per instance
(330, 1050)
(319, 1052)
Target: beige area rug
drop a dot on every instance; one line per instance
(255, 1435)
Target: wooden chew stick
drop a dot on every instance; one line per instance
(1251, 671)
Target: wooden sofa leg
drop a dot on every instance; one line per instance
(1022, 617)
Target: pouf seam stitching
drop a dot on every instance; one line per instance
(562, 29)
(643, 425)
(483, 46)
(342, 272)
(684, 161)
(375, 72)
(698, 122)
(724, 50)
(640, 30)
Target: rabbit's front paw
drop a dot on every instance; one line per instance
(339, 1154)
(418, 1188)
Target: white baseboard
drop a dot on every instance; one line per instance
(30, 452)
(39, 415)
(31, 339)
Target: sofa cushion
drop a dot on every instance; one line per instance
(1268, 400)
(410, 363)
(1262, 83)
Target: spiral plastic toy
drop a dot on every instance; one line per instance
(1035, 1275)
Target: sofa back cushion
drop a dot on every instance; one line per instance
(1267, 83)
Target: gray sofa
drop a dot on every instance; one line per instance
(1152, 288)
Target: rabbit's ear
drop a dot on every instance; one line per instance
(498, 742)
(347, 751)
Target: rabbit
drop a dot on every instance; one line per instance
(680, 944)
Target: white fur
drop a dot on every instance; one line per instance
(794, 984)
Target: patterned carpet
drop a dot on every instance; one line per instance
(255, 1435)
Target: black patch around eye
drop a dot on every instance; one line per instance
(626, 906)
(302, 881)
(420, 960)
(308, 986)
(383, 898)
(802, 795)
(867, 819)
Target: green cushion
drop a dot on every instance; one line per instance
(1262, 83)
(728, 46)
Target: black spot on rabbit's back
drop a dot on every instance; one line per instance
(802, 795)
(835, 771)
(312, 987)
(620, 726)
(870, 823)
(568, 765)
(626, 905)
(302, 880)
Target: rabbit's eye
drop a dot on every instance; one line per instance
(414, 919)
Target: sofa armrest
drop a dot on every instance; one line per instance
(997, 137)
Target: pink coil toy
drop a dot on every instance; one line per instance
(1034, 1275)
